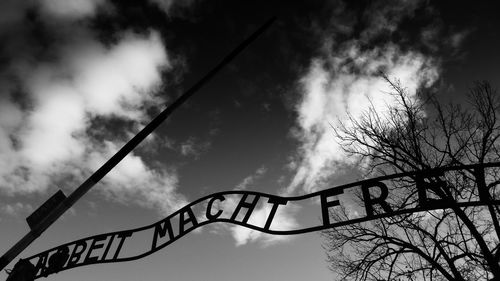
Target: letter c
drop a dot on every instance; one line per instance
(209, 215)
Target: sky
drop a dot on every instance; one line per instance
(78, 78)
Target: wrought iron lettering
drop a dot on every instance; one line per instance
(237, 207)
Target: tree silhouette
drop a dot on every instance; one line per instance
(455, 243)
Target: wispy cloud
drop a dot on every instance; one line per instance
(193, 147)
(251, 178)
(16, 209)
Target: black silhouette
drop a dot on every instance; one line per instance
(22, 271)
(455, 243)
(58, 260)
(107, 248)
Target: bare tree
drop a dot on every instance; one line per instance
(455, 243)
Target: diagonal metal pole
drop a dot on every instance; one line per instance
(126, 149)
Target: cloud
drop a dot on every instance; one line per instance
(80, 9)
(251, 179)
(283, 220)
(16, 209)
(193, 147)
(74, 9)
(172, 6)
(345, 79)
(134, 181)
(328, 95)
(68, 102)
(383, 17)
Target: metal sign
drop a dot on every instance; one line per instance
(237, 207)
(40, 221)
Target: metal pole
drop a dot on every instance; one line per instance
(126, 149)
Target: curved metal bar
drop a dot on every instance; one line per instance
(160, 230)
